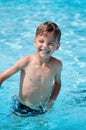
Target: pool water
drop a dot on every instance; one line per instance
(18, 22)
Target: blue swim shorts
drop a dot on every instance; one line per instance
(22, 110)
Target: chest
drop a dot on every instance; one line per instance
(41, 74)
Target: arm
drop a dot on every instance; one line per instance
(12, 70)
(55, 91)
(56, 87)
(6, 74)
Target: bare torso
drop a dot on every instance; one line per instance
(36, 82)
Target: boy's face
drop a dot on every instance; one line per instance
(46, 44)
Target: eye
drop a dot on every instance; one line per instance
(41, 41)
(51, 43)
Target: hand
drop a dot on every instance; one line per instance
(50, 104)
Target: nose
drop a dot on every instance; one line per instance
(45, 44)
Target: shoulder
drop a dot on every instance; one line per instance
(26, 59)
(57, 65)
(56, 62)
(23, 62)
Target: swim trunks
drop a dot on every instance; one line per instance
(22, 110)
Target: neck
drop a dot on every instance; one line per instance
(42, 60)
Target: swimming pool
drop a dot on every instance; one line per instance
(18, 21)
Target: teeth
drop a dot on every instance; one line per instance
(45, 51)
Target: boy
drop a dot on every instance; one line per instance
(40, 79)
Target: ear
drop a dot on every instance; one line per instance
(34, 42)
(58, 45)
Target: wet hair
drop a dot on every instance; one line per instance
(48, 27)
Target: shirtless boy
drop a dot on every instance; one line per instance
(40, 79)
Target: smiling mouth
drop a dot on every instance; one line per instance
(44, 51)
